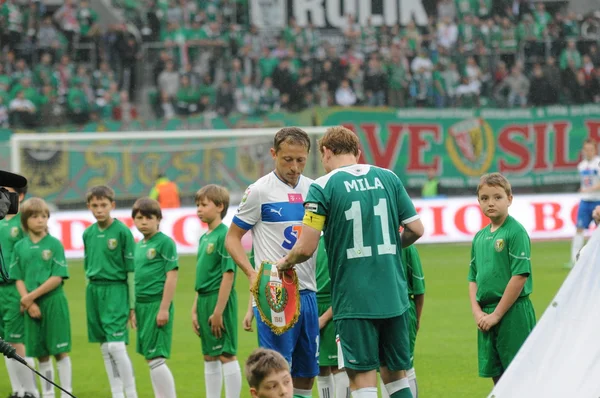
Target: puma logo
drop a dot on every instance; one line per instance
(277, 211)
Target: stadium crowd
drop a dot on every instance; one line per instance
(60, 67)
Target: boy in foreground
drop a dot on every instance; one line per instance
(268, 375)
(500, 280)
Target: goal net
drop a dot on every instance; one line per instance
(61, 167)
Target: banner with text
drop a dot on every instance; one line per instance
(445, 221)
(532, 147)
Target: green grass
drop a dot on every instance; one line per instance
(445, 358)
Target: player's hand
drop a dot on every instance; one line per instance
(162, 318)
(215, 321)
(489, 321)
(478, 317)
(323, 322)
(247, 323)
(195, 324)
(27, 301)
(132, 320)
(34, 311)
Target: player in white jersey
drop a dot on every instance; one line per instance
(273, 208)
(589, 174)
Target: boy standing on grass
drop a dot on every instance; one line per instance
(108, 264)
(500, 280)
(214, 312)
(155, 261)
(12, 320)
(39, 267)
(268, 375)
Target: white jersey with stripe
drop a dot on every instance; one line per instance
(274, 211)
(589, 174)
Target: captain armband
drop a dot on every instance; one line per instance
(314, 220)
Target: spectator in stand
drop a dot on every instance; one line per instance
(269, 99)
(344, 95)
(66, 17)
(375, 83)
(125, 112)
(187, 98)
(540, 91)
(168, 80)
(22, 111)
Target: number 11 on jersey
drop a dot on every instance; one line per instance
(354, 214)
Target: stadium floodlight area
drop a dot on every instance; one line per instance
(63, 165)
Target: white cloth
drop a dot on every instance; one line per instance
(589, 174)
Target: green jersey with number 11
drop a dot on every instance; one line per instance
(364, 206)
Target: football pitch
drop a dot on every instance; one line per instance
(446, 352)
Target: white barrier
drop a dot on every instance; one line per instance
(445, 220)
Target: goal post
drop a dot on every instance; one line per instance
(60, 167)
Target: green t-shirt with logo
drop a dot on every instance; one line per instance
(35, 263)
(11, 232)
(153, 258)
(108, 253)
(213, 261)
(322, 275)
(364, 207)
(498, 256)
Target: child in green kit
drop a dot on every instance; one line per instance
(155, 261)
(214, 312)
(12, 320)
(500, 280)
(108, 264)
(40, 268)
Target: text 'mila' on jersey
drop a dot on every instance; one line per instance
(364, 206)
(274, 211)
(589, 174)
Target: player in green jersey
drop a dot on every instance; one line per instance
(12, 320)
(500, 280)
(108, 264)
(331, 378)
(155, 263)
(214, 312)
(40, 268)
(360, 208)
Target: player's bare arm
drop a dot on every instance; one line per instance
(419, 303)
(510, 295)
(249, 317)
(168, 293)
(412, 232)
(326, 318)
(51, 283)
(216, 319)
(195, 325)
(233, 245)
(478, 313)
(302, 250)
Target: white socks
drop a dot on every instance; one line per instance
(13, 375)
(47, 370)
(27, 377)
(384, 393)
(162, 379)
(213, 378)
(342, 385)
(412, 382)
(65, 375)
(233, 379)
(118, 353)
(578, 242)
(368, 392)
(397, 385)
(116, 384)
(326, 386)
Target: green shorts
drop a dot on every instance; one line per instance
(107, 305)
(497, 347)
(327, 346)
(153, 341)
(12, 321)
(228, 342)
(51, 334)
(368, 344)
(412, 331)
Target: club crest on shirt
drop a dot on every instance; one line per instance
(499, 245)
(14, 232)
(244, 198)
(210, 248)
(151, 253)
(46, 255)
(112, 244)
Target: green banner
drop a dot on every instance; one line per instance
(532, 147)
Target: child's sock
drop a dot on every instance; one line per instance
(399, 389)
(13, 376)
(65, 375)
(47, 370)
(342, 385)
(118, 352)
(213, 378)
(325, 385)
(115, 382)
(578, 242)
(412, 382)
(162, 378)
(29, 380)
(384, 392)
(368, 392)
(233, 379)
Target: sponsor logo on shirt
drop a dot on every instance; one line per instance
(151, 253)
(499, 245)
(313, 207)
(47, 255)
(112, 244)
(278, 212)
(295, 198)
